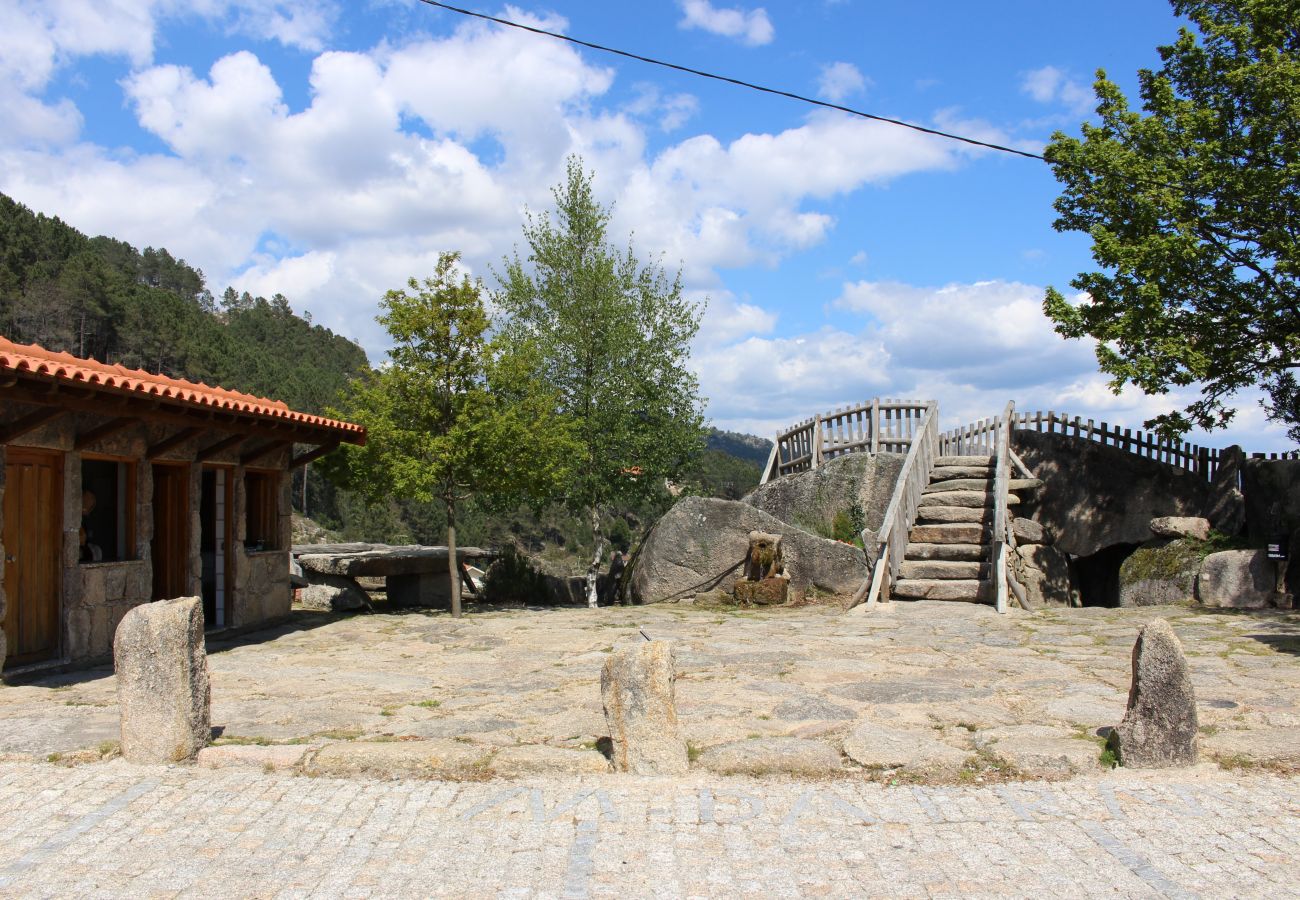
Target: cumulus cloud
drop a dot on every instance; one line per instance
(749, 27)
(1051, 85)
(840, 80)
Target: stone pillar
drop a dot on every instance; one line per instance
(163, 690)
(637, 687)
(1160, 725)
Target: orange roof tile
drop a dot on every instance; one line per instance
(66, 367)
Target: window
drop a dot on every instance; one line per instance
(262, 510)
(107, 510)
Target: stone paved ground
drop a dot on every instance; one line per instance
(113, 830)
(1022, 691)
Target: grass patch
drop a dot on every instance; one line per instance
(339, 734)
(429, 704)
(1108, 758)
(240, 740)
(693, 751)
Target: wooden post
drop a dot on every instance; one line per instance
(875, 425)
(817, 441)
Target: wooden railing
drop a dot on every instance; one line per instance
(1203, 461)
(891, 540)
(880, 426)
(1001, 522)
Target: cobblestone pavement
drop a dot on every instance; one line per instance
(1032, 688)
(113, 830)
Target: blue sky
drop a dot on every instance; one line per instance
(328, 150)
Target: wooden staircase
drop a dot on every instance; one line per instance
(948, 549)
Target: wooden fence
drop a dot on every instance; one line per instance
(880, 426)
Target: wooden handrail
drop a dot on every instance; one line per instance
(891, 541)
(997, 575)
(888, 425)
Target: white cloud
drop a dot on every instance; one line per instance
(840, 80)
(672, 111)
(752, 27)
(1051, 85)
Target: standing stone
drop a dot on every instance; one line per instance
(1159, 728)
(637, 687)
(163, 690)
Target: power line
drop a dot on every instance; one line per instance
(736, 81)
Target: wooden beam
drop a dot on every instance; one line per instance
(172, 442)
(153, 410)
(29, 422)
(253, 456)
(312, 455)
(99, 432)
(220, 446)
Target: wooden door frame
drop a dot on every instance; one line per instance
(55, 541)
(227, 608)
(186, 472)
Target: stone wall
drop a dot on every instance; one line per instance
(262, 591)
(103, 593)
(1272, 489)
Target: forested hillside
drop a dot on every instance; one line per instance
(102, 298)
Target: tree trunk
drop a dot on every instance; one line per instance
(453, 570)
(593, 571)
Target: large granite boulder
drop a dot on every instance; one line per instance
(163, 690)
(1193, 527)
(702, 543)
(1160, 573)
(332, 593)
(811, 500)
(1237, 579)
(1159, 729)
(1095, 496)
(637, 688)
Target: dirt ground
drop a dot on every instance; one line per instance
(1025, 692)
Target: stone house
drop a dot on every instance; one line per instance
(120, 487)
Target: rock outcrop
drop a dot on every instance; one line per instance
(811, 500)
(332, 593)
(1193, 527)
(163, 689)
(1159, 729)
(1160, 573)
(1097, 496)
(701, 544)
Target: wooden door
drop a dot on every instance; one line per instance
(171, 531)
(33, 507)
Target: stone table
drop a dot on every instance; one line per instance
(414, 575)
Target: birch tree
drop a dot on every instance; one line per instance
(611, 339)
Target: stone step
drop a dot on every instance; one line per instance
(964, 552)
(945, 514)
(944, 473)
(949, 534)
(963, 460)
(976, 499)
(937, 589)
(959, 484)
(1024, 484)
(942, 570)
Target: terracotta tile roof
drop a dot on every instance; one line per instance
(66, 367)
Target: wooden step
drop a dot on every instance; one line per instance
(945, 514)
(949, 534)
(959, 484)
(944, 473)
(963, 460)
(942, 570)
(935, 589)
(966, 552)
(975, 499)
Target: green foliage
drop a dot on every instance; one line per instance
(848, 524)
(513, 579)
(610, 337)
(1194, 213)
(451, 416)
(101, 298)
(719, 474)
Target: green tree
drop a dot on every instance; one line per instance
(611, 337)
(1193, 208)
(451, 416)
